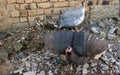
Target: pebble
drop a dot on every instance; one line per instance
(84, 72)
(94, 30)
(78, 68)
(118, 63)
(93, 64)
(112, 30)
(50, 72)
(30, 73)
(85, 66)
(27, 65)
(117, 31)
(41, 73)
(112, 60)
(111, 36)
(101, 24)
(1, 43)
(102, 34)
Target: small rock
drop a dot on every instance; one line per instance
(104, 67)
(29, 73)
(1, 43)
(63, 57)
(85, 66)
(27, 65)
(111, 36)
(84, 72)
(79, 68)
(94, 30)
(105, 59)
(118, 63)
(112, 30)
(50, 72)
(2, 35)
(47, 58)
(101, 24)
(102, 34)
(93, 64)
(21, 55)
(117, 31)
(112, 60)
(19, 71)
(17, 45)
(41, 73)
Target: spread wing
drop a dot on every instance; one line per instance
(58, 41)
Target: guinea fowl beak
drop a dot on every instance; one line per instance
(69, 50)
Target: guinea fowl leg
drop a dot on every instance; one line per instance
(76, 29)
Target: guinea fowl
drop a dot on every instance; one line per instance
(77, 46)
(71, 18)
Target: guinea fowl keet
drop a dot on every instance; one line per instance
(77, 46)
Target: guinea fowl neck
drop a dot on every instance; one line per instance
(83, 3)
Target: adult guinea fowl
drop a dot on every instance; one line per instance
(75, 45)
(71, 18)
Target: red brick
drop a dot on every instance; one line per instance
(3, 1)
(23, 13)
(14, 20)
(56, 11)
(53, 0)
(42, 17)
(15, 14)
(45, 0)
(61, 4)
(23, 19)
(23, 6)
(1, 17)
(31, 12)
(110, 1)
(11, 7)
(33, 5)
(28, 1)
(73, 3)
(100, 2)
(55, 17)
(48, 11)
(17, 6)
(2, 8)
(11, 1)
(95, 2)
(63, 9)
(20, 1)
(40, 11)
(61, 0)
(31, 18)
(37, 1)
(79, 4)
(44, 5)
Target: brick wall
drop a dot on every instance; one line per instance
(20, 11)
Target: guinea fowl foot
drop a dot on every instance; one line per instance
(38, 22)
(53, 24)
(75, 29)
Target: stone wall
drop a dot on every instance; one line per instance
(22, 11)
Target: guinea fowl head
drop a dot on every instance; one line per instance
(83, 2)
(74, 58)
(68, 53)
